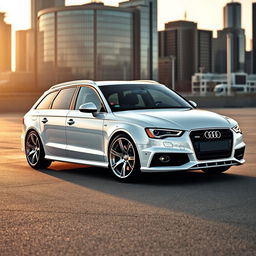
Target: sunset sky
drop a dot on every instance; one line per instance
(207, 13)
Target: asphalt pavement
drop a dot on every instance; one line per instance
(77, 210)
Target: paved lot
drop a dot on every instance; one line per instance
(73, 210)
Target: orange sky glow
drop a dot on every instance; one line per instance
(207, 13)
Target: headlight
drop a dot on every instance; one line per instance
(236, 129)
(156, 133)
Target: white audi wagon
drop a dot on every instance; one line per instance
(129, 127)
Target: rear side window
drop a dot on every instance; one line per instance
(47, 100)
(63, 99)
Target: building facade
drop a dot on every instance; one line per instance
(191, 49)
(91, 41)
(38, 5)
(5, 45)
(22, 51)
(249, 62)
(254, 36)
(146, 31)
(232, 15)
(204, 51)
(232, 26)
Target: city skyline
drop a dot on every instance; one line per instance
(19, 16)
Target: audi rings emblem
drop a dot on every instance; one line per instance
(212, 134)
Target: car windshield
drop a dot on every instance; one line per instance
(141, 96)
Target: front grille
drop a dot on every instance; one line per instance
(175, 159)
(212, 148)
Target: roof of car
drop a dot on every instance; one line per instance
(100, 83)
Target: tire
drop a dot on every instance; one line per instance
(35, 152)
(216, 170)
(123, 158)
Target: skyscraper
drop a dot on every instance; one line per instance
(5, 45)
(37, 5)
(232, 26)
(191, 49)
(254, 36)
(204, 50)
(21, 50)
(232, 15)
(94, 41)
(146, 31)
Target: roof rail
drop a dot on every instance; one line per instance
(72, 83)
(147, 81)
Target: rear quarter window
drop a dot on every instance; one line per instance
(46, 101)
(63, 99)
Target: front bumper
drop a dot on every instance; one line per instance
(183, 145)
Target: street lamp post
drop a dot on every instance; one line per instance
(172, 58)
(229, 56)
(201, 87)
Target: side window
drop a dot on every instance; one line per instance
(47, 100)
(86, 95)
(63, 99)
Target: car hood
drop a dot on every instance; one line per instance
(185, 119)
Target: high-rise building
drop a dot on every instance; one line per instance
(146, 30)
(248, 62)
(5, 45)
(21, 51)
(94, 41)
(232, 26)
(24, 50)
(204, 50)
(191, 49)
(232, 15)
(254, 36)
(38, 5)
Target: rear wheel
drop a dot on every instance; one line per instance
(123, 158)
(216, 170)
(34, 151)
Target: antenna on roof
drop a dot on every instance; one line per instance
(185, 15)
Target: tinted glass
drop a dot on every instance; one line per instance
(63, 99)
(46, 102)
(86, 95)
(148, 96)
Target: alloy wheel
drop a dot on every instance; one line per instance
(33, 148)
(122, 157)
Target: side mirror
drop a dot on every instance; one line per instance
(89, 107)
(193, 103)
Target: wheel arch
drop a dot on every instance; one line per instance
(115, 134)
(38, 134)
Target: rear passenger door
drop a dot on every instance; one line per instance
(53, 121)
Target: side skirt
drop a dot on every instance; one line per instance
(77, 161)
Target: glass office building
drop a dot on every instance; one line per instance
(147, 32)
(91, 41)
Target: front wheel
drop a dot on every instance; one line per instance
(123, 158)
(35, 152)
(216, 170)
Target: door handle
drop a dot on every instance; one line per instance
(45, 120)
(71, 121)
